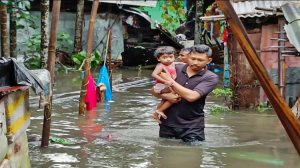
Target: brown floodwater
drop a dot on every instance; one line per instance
(122, 133)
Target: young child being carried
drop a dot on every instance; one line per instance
(166, 56)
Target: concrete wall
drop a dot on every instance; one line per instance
(67, 24)
(14, 119)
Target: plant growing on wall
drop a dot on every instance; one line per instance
(173, 12)
(32, 55)
(80, 57)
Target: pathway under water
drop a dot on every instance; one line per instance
(122, 133)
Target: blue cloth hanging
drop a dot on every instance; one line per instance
(212, 26)
(185, 5)
(104, 78)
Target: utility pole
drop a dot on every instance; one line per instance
(51, 69)
(284, 113)
(87, 60)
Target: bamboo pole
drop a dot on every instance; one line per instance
(287, 118)
(51, 69)
(110, 59)
(281, 59)
(88, 56)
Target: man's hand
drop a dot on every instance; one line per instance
(166, 75)
(171, 97)
(168, 83)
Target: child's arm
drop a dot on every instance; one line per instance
(155, 74)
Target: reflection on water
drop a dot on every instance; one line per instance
(122, 133)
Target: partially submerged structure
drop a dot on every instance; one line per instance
(14, 120)
(15, 81)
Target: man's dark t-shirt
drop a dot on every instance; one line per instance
(186, 114)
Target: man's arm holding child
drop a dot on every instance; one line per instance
(188, 94)
(171, 97)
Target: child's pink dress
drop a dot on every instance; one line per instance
(159, 86)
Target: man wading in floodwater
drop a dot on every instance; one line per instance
(194, 82)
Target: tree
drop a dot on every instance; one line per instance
(44, 32)
(4, 34)
(18, 11)
(13, 35)
(173, 13)
(78, 26)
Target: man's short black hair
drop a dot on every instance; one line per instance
(163, 50)
(186, 50)
(202, 48)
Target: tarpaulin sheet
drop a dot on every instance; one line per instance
(14, 73)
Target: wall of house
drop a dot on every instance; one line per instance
(67, 25)
(269, 57)
(14, 120)
(247, 90)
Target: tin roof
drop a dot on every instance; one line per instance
(247, 9)
(291, 13)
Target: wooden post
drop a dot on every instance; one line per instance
(109, 59)
(51, 69)
(281, 59)
(88, 56)
(287, 118)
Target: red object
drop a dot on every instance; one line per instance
(171, 71)
(225, 37)
(89, 128)
(109, 136)
(90, 97)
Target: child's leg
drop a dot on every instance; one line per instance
(162, 108)
(156, 115)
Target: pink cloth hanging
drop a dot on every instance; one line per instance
(90, 97)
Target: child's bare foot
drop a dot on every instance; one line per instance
(155, 116)
(162, 114)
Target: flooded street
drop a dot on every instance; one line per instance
(122, 133)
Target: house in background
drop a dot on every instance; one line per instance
(265, 23)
